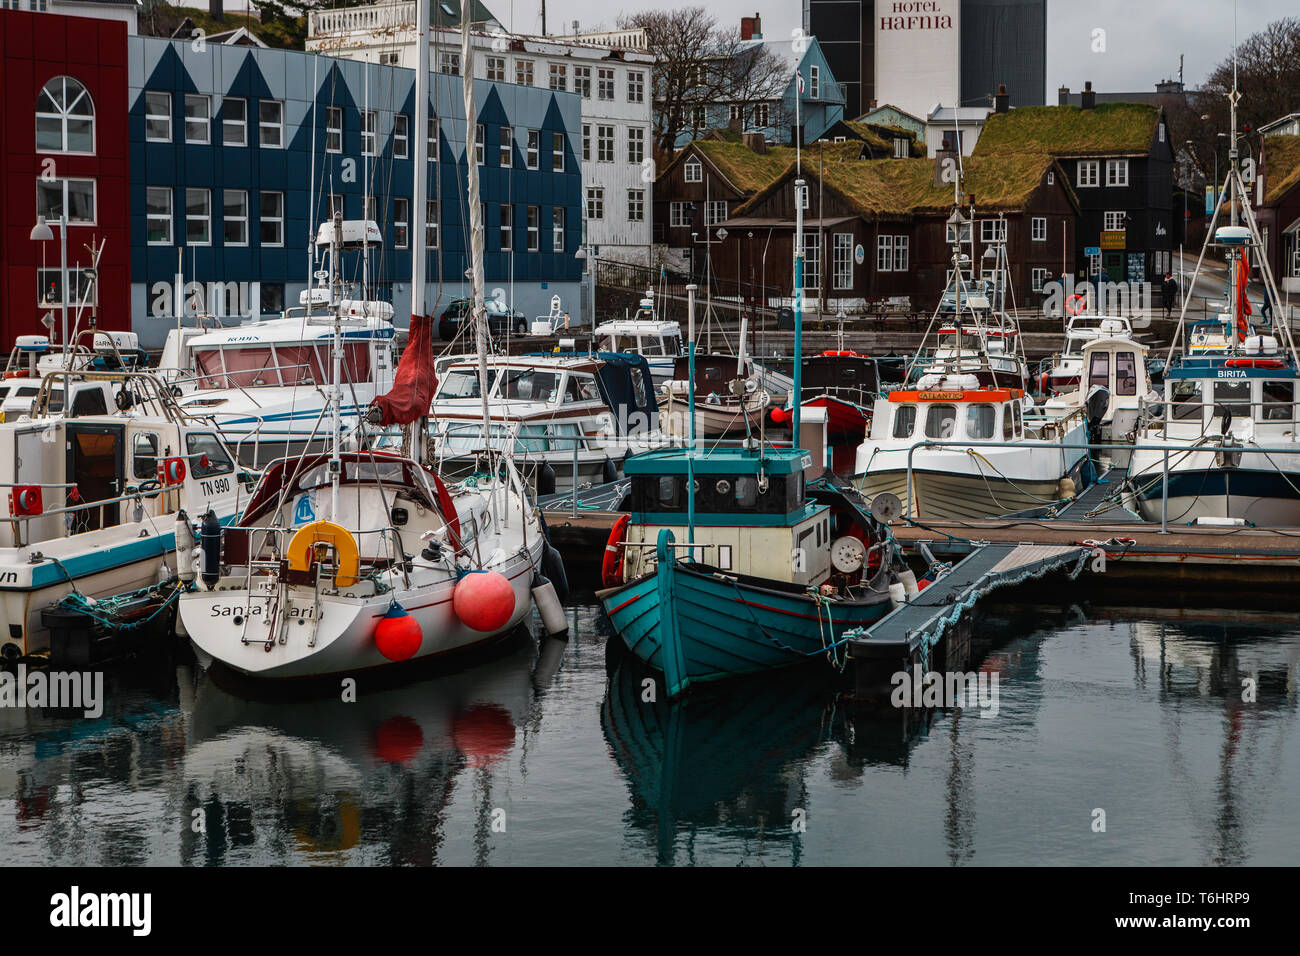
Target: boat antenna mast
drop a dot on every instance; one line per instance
(475, 271)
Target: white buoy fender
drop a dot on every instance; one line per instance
(908, 578)
(184, 550)
(897, 594)
(549, 607)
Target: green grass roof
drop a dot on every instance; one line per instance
(1108, 129)
(1282, 158)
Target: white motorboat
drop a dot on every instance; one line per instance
(659, 341)
(729, 402)
(96, 502)
(1067, 366)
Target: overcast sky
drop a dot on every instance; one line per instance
(1143, 37)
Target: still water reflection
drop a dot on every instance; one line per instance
(549, 753)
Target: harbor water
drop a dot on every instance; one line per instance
(1120, 736)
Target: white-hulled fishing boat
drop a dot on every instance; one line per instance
(658, 340)
(97, 502)
(1226, 436)
(964, 440)
(346, 561)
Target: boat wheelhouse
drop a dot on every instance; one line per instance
(766, 571)
(728, 398)
(1067, 366)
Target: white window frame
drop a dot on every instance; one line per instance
(884, 253)
(842, 260)
(205, 218)
(557, 152)
(401, 136)
(62, 115)
(604, 143)
(693, 171)
(557, 228)
(205, 121)
(635, 86)
(523, 72)
(763, 115)
(715, 212)
(582, 81)
(228, 124)
(533, 149)
(605, 84)
(449, 62)
(635, 145)
(152, 116)
(369, 132)
(902, 253)
(480, 141)
(559, 79)
(154, 192)
(63, 183)
(264, 125)
(401, 222)
(1037, 277)
(993, 230)
(227, 218)
(1113, 221)
(677, 217)
(1117, 172)
(595, 202)
(270, 219)
(1088, 174)
(1038, 229)
(333, 131)
(506, 227)
(534, 227)
(814, 82)
(432, 223)
(812, 263)
(636, 205)
(496, 69)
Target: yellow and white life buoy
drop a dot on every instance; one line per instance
(327, 533)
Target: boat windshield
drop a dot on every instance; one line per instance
(294, 363)
(528, 384)
(463, 383)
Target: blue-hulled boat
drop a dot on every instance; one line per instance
(769, 571)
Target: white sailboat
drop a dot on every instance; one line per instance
(350, 560)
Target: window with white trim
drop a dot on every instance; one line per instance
(506, 146)
(1113, 221)
(270, 123)
(534, 228)
(557, 228)
(401, 222)
(524, 72)
(369, 127)
(635, 86)
(812, 263)
(198, 217)
(636, 205)
(762, 115)
(65, 117)
(1038, 229)
(401, 135)
(1087, 174)
(432, 208)
(449, 63)
(557, 152)
(333, 129)
(814, 82)
(431, 138)
(635, 145)
(715, 212)
(595, 202)
(496, 69)
(694, 171)
(605, 84)
(842, 260)
(677, 214)
(49, 287)
(507, 227)
(158, 215)
(234, 217)
(582, 81)
(234, 121)
(993, 230)
(586, 141)
(271, 219)
(480, 136)
(902, 147)
(559, 76)
(73, 197)
(1117, 172)
(604, 144)
(157, 116)
(198, 118)
(534, 148)
(884, 253)
(1037, 278)
(901, 249)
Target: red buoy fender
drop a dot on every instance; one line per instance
(484, 601)
(611, 566)
(397, 635)
(1076, 303)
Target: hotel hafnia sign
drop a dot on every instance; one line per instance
(918, 48)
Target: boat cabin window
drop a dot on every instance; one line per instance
(718, 494)
(144, 455)
(940, 421)
(1185, 400)
(530, 385)
(1126, 380)
(1234, 396)
(1007, 420)
(1099, 370)
(89, 401)
(207, 457)
(463, 383)
(581, 388)
(1015, 408)
(904, 421)
(1277, 405)
(980, 420)
(640, 393)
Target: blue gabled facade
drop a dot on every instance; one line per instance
(301, 88)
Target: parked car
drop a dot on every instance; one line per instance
(501, 320)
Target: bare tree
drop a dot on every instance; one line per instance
(1268, 76)
(751, 74)
(681, 41)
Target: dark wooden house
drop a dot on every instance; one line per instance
(1279, 213)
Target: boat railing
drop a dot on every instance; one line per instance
(1288, 410)
(136, 493)
(973, 445)
(243, 547)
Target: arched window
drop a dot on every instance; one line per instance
(65, 118)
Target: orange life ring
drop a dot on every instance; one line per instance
(20, 373)
(1076, 303)
(611, 567)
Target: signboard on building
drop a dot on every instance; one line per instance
(918, 44)
(1112, 240)
(1092, 250)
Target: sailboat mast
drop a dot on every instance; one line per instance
(420, 134)
(475, 220)
(336, 394)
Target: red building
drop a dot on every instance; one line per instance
(63, 148)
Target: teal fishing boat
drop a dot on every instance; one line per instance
(766, 570)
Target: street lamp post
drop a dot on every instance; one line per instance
(41, 233)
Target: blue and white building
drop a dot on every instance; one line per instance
(238, 153)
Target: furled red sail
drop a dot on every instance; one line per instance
(415, 382)
(1243, 303)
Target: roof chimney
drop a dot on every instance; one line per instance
(751, 28)
(755, 142)
(1063, 96)
(1002, 99)
(1087, 99)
